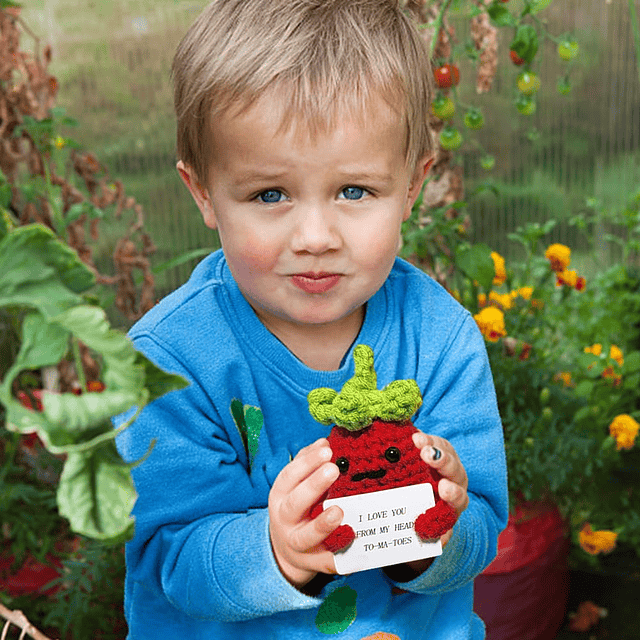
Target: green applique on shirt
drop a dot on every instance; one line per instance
(249, 421)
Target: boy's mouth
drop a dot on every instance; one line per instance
(312, 282)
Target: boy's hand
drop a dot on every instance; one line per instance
(440, 454)
(296, 539)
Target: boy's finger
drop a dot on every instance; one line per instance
(302, 466)
(311, 535)
(439, 454)
(302, 497)
(453, 494)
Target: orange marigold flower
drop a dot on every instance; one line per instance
(526, 351)
(566, 277)
(491, 323)
(503, 300)
(581, 283)
(537, 304)
(610, 374)
(498, 265)
(522, 292)
(482, 300)
(595, 542)
(616, 354)
(624, 429)
(559, 256)
(564, 377)
(587, 615)
(596, 349)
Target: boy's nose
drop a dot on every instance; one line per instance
(316, 231)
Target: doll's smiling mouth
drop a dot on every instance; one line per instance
(380, 473)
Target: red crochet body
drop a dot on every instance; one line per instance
(372, 467)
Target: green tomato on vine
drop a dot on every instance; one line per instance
(443, 107)
(450, 138)
(568, 49)
(525, 105)
(528, 83)
(474, 119)
(487, 162)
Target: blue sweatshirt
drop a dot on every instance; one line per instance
(200, 565)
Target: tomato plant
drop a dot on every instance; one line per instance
(450, 138)
(446, 76)
(528, 83)
(474, 119)
(525, 105)
(443, 107)
(516, 59)
(568, 49)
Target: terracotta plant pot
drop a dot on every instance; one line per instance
(522, 595)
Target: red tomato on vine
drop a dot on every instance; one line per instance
(448, 75)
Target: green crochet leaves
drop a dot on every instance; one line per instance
(359, 402)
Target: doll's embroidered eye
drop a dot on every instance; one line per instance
(392, 454)
(342, 464)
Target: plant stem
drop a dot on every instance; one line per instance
(437, 26)
(636, 31)
(77, 357)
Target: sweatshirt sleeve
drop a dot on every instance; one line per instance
(460, 406)
(201, 529)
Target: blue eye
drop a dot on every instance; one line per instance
(270, 196)
(353, 193)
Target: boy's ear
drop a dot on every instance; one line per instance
(199, 193)
(417, 180)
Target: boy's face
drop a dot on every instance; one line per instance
(309, 227)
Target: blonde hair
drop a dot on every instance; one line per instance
(326, 58)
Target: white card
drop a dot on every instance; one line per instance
(383, 523)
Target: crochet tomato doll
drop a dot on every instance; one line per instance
(372, 445)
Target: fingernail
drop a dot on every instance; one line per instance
(419, 440)
(436, 454)
(333, 516)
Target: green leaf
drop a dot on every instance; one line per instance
(156, 381)
(501, 16)
(539, 5)
(631, 362)
(122, 365)
(525, 43)
(476, 263)
(39, 244)
(338, 611)
(96, 494)
(584, 388)
(182, 258)
(42, 344)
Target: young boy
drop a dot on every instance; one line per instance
(303, 139)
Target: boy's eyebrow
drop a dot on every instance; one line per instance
(356, 176)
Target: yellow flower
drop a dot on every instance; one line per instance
(616, 354)
(624, 429)
(596, 349)
(595, 542)
(59, 142)
(564, 377)
(559, 256)
(503, 300)
(523, 292)
(567, 277)
(498, 265)
(491, 323)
